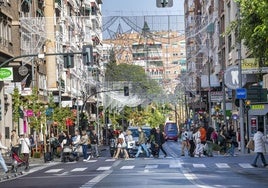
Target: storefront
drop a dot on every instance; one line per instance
(257, 117)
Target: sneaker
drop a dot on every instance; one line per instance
(26, 169)
(254, 165)
(84, 160)
(165, 156)
(7, 171)
(265, 165)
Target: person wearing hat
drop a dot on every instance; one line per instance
(2, 161)
(25, 149)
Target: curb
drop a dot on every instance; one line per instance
(33, 168)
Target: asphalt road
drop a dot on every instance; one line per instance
(173, 171)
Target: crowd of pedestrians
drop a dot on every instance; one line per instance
(200, 141)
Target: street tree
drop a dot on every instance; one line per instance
(254, 27)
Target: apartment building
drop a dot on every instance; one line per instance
(35, 28)
(210, 51)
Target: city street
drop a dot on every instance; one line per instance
(173, 171)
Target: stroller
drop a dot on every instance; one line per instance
(16, 161)
(71, 153)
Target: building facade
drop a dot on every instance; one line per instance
(33, 29)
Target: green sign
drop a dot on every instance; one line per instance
(257, 107)
(6, 73)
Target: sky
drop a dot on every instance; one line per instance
(139, 7)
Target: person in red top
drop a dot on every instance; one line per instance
(203, 134)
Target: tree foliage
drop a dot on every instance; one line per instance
(254, 27)
(142, 85)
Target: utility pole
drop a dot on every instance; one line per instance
(241, 105)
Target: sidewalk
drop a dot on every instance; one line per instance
(36, 164)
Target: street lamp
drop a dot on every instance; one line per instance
(210, 31)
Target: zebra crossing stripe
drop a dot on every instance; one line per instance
(199, 166)
(53, 170)
(175, 165)
(78, 169)
(245, 165)
(104, 168)
(151, 166)
(222, 165)
(110, 160)
(127, 167)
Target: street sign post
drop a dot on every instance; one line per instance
(241, 93)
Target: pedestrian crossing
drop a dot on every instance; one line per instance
(146, 167)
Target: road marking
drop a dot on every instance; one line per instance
(78, 169)
(199, 166)
(222, 165)
(245, 165)
(53, 170)
(110, 160)
(175, 165)
(127, 167)
(97, 179)
(151, 166)
(91, 161)
(104, 168)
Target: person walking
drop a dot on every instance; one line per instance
(142, 143)
(160, 140)
(14, 142)
(25, 149)
(184, 141)
(94, 142)
(121, 145)
(84, 141)
(2, 160)
(259, 147)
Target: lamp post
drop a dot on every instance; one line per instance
(210, 31)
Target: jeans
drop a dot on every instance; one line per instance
(259, 154)
(84, 149)
(231, 150)
(95, 148)
(3, 163)
(144, 147)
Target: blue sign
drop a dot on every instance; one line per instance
(241, 93)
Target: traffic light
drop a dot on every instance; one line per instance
(68, 61)
(126, 91)
(87, 55)
(247, 104)
(164, 3)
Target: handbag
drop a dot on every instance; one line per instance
(250, 144)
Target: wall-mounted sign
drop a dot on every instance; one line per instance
(6, 73)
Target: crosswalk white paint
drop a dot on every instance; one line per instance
(148, 167)
(78, 169)
(151, 166)
(104, 168)
(127, 167)
(54, 170)
(110, 160)
(199, 165)
(245, 165)
(222, 165)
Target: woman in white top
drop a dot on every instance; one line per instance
(121, 145)
(25, 149)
